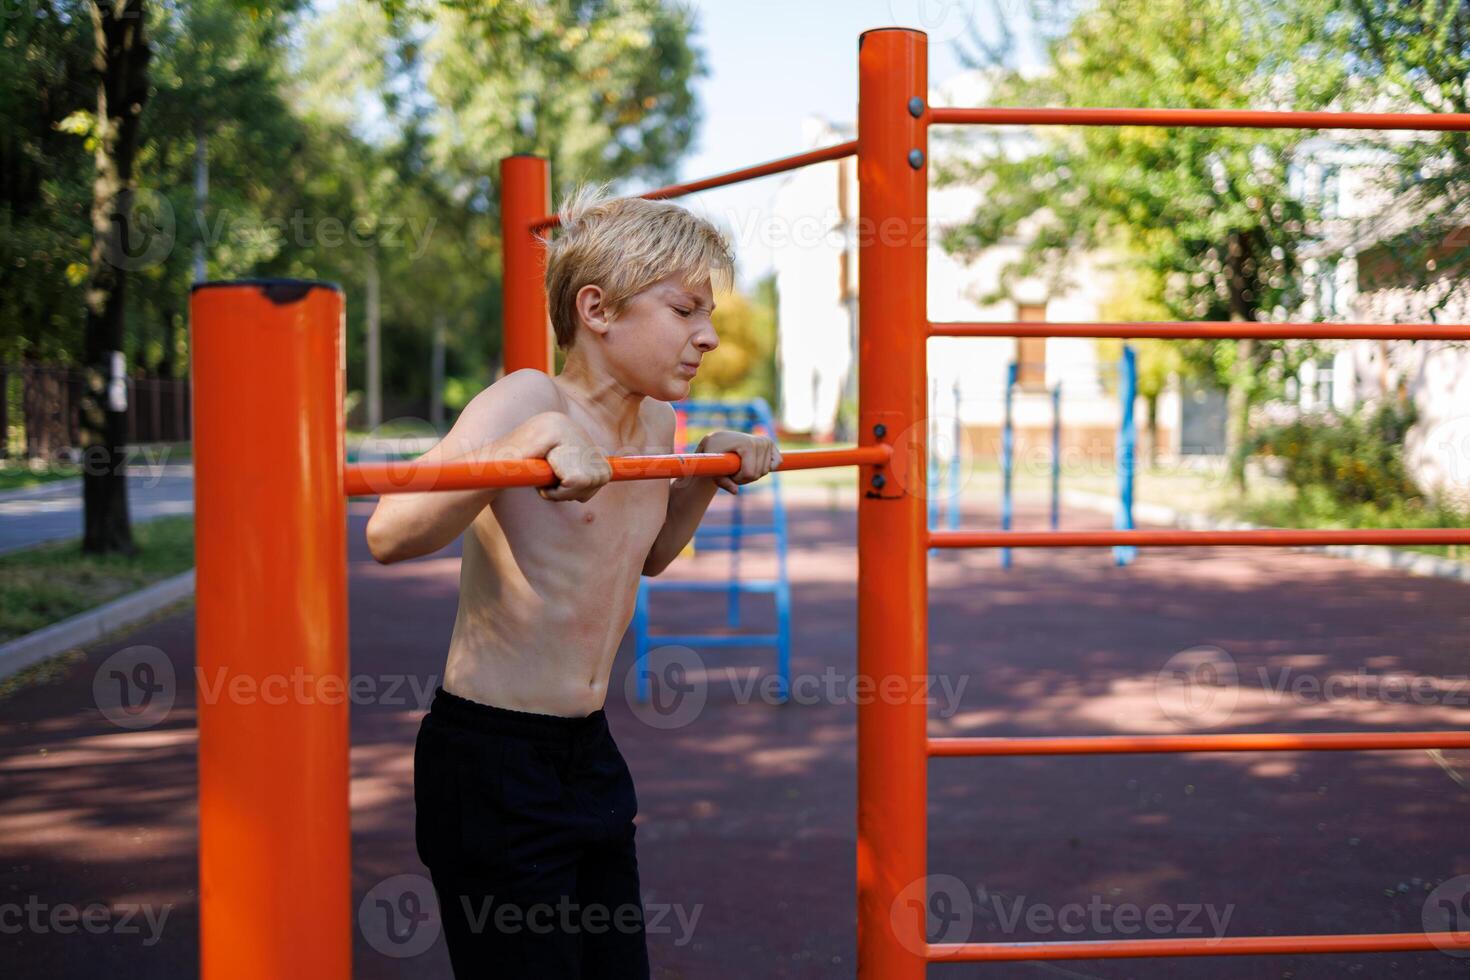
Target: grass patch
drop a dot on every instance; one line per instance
(16, 475)
(165, 453)
(51, 582)
(1316, 507)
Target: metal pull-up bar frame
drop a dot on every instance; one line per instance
(271, 485)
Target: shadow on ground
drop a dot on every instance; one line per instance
(746, 824)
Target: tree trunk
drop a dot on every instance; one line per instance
(373, 310)
(1238, 418)
(120, 60)
(1238, 395)
(1152, 401)
(201, 198)
(436, 375)
(43, 411)
(168, 364)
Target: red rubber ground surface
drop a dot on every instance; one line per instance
(747, 808)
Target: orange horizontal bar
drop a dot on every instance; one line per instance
(1210, 330)
(410, 476)
(1209, 118)
(826, 153)
(1393, 942)
(1262, 538)
(1242, 742)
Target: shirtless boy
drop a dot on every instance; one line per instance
(524, 805)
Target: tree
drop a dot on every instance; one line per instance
(218, 82)
(45, 78)
(743, 366)
(1159, 361)
(121, 63)
(1206, 214)
(1417, 55)
(603, 90)
(429, 96)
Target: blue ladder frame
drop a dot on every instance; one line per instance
(753, 415)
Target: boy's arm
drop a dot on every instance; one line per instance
(518, 417)
(690, 497)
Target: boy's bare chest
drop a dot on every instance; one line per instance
(619, 523)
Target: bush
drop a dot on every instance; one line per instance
(1351, 460)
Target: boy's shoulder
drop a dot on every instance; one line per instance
(529, 390)
(528, 382)
(503, 405)
(661, 421)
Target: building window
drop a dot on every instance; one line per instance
(1031, 351)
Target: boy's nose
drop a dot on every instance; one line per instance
(706, 340)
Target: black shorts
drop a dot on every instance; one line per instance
(525, 822)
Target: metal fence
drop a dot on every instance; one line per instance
(39, 418)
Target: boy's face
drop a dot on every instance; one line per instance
(656, 343)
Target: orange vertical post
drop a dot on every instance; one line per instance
(892, 586)
(525, 197)
(271, 630)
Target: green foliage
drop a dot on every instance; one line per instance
(1346, 460)
(1204, 211)
(343, 141)
(45, 81)
(50, 582)
(603, 90)
(1203, 217)
(1133, 297)
(744, 364)
(1418, 53)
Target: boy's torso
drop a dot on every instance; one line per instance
(547, 589)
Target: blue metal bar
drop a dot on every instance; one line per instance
(718, 639)
(783, 636)
(1126, 450)
(767, 422)
(931, 475)
(954, 463)
(737, 529)
(1007, 462)
(640, 635)
(1056, 455)
(741, 531)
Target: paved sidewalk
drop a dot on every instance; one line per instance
(53, 511)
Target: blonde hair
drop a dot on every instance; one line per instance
(625, 245)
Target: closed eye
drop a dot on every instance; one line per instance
(681, 311)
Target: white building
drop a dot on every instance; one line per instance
(816, 278)
(1358, 278)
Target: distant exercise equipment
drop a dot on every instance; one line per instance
(1124, 455)
(750, 415)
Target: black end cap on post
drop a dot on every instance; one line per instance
(282, 292)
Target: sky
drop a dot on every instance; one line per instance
(772, 64)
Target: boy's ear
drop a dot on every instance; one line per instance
(592, 309)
